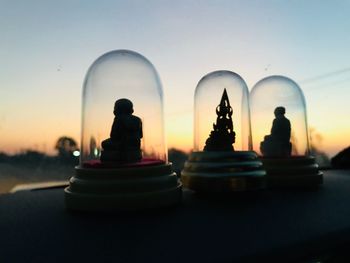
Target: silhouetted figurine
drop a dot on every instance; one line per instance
(124, 144)
(222, 136)
(277, 144)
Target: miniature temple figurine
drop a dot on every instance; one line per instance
(222, 136)
(124, 144)
(277, 144)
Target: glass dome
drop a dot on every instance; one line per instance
(210, 97)
(278, 114)
(122, 74)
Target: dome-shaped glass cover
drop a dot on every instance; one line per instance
(122, 92)
(278, 114)
(221, 96)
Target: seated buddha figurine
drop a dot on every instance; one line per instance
(277, 144)
(124, 144)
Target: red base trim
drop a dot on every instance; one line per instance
(97, 164)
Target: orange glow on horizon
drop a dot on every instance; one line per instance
(179, 135)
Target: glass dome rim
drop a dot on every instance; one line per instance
(219, 71)
(120, 51)
(136, 54)
(278, 76)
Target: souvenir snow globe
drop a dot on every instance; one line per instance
(280, 133)
(222, 160)
(123, 161)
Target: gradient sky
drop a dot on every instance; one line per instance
(46, 48)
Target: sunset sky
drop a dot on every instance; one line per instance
(46, 47)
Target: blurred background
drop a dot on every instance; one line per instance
(46, 48)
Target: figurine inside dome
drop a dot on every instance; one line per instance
(284, 145)
(222, 136)
(279, 121)
(215, 165)
(123, 162)
(223, 96)
(124, 144)
(278, 142)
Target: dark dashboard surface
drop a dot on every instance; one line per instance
(271, 225)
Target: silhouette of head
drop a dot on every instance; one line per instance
(123, 106)
(279, 111)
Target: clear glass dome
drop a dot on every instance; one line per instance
(278, 114)
(209, 98)
(122, 74)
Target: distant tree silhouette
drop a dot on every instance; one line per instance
(66, 146)
(342, 159)
(25, 157)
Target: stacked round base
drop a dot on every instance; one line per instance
(301, 171)
(220, 172)
(123, 189)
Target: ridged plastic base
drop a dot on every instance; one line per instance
(293, 172)
(123, 189)
(215, 172)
